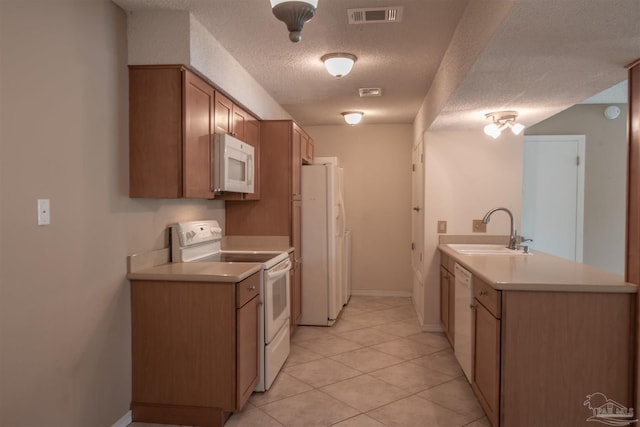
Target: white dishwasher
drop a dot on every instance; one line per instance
(463, 319)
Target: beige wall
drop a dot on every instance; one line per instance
(377, 170)
(605, 178)
(64, 300)
(466, 174)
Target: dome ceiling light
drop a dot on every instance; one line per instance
(339, 64)
(501, 120)
(294, 14)
(352, 117)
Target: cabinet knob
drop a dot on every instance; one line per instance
(483, 293)
(252, 288)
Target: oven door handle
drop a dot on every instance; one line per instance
(279, 270)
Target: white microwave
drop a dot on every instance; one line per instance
(233, 164)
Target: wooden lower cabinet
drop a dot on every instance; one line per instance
(538, 355)
(447, 299)
(486, 363)
(194, 350)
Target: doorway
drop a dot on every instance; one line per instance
(553, 194)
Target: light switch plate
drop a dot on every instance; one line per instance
(442, 227)
(44, 212)
(479, 226)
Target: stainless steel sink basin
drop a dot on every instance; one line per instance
(485, 249)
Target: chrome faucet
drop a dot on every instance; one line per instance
(513, 236)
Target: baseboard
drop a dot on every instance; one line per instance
(432, 327)
(124, 421)
(377, 293)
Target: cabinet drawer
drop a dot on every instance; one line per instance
(247, 289)
(487, 296)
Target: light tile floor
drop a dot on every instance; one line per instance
(373, 368)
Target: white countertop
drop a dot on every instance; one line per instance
(155, 265)
(198, 272)
(540, 272)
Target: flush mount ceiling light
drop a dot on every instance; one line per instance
(501, 120)
(339, 64)
(294, 14)
(352, 117)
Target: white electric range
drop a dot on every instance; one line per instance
(200, 241)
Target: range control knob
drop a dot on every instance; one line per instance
(190, 234)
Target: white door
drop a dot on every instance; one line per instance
(417, 226)
(417, 209)
(553, 194)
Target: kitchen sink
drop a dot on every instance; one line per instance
(485, 249)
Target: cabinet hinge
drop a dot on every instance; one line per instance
(413, 246)
(413, 167)
(421, 157)
(578, 161)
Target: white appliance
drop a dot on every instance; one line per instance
(323, 230)
(233, 164)
(463, 319)
(199, 241)
(346, 271)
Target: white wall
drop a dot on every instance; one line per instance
(605, 179)
(176, 37)
(377, 165)
(466, 174)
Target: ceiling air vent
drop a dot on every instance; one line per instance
(377, 15)
(366, 92)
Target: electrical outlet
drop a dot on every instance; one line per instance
(44, 212)
(479, 226)
(442, 227)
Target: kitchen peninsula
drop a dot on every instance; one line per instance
(547, 333)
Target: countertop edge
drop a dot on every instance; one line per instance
(158, 274)
(621, 287)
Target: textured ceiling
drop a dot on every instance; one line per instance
(546, 56)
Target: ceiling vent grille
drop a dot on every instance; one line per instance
(378, 15)
(366, 92)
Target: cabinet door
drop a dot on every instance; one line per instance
(155, 132)
(223, 114)
(307, 149)
(240, 119)
(444, 301)
(197, 145)
(247, 367)
(296, 165)
(451, 312)
(486, 362)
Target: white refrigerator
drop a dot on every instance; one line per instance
(323, 240)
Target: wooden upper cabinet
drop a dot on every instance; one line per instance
(307, 149)
(233, 120)
(296, 162)
(223, 114)
(230, 118)
(198, 139)
(171, 115)
(240, 119)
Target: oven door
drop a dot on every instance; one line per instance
(276, 299)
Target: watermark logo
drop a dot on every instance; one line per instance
(608, 411)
